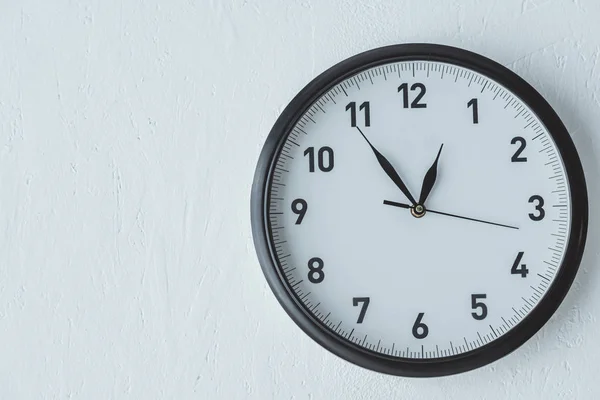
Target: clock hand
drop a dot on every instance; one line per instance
(402, 205)
(429, 179)
(389, 170)
(472, 219)
(396, 204)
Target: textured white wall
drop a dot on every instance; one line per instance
(129, 132)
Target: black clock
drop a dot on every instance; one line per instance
(419, 210)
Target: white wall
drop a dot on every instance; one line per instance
(129, 132)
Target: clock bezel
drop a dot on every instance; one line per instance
(363, 357)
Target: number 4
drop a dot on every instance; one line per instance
(519, 269)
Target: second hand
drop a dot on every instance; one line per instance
(402, 205)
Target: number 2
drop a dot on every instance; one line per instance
(522, 144)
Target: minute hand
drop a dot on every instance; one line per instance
(389, 170)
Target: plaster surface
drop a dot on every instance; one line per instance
(129, 133)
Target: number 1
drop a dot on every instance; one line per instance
(473, 103)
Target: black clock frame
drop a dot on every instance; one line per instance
(349, 351)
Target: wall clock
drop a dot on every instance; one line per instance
(419, 210)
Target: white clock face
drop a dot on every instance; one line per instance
(356, 248)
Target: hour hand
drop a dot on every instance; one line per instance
(389, 170)
(429, 179)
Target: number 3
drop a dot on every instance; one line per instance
(539, 207)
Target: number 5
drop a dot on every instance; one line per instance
(478, 304)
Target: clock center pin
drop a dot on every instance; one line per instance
(418, 211)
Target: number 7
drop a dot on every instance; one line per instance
(363, 310)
